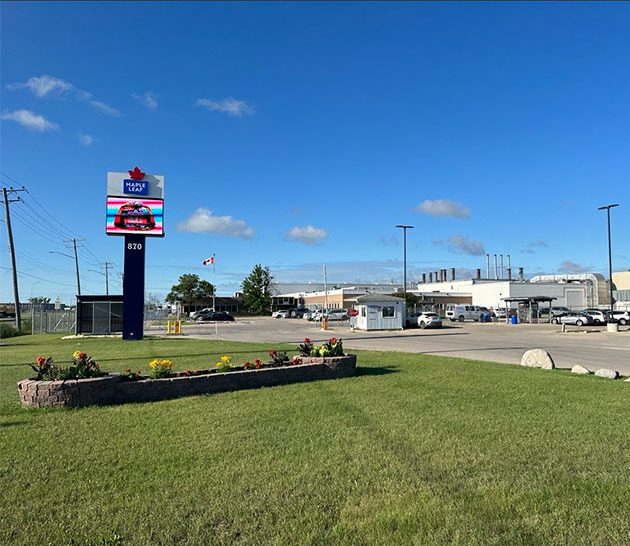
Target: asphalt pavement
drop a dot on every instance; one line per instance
(592, 347)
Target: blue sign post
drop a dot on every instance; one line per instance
(133, 287)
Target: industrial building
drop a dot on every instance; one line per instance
(572, 291)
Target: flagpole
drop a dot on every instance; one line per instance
(214, 282)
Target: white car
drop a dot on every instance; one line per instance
(429, 320)
(195, 314)
(599, 317)
(283, 313)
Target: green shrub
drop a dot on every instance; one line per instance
(6, 330)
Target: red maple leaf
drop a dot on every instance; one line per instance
(136, 174)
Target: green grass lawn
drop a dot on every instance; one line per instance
(413, 450)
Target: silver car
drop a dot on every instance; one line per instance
(577, 319)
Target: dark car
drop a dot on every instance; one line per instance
(135, 216)
(215, 316)
(298, 313)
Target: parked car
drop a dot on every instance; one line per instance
(195, 314)
(429, 320)
(331, 314)
(555, 311)
(337, 314)
(621, 317)
(299, 313)
(215, 316)
(599, 317)
(282, 313)
(462, 312)
(577, 319)
(412, 319)
(499, 313)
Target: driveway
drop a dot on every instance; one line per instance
(592, 347)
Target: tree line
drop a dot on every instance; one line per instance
(257, 286)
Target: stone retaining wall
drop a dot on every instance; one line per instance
(113, 389)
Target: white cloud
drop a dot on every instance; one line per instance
(308, 235)
(42, 86)
(443, 207)
(571, 267)
(30, 120)
(203, 221)
(85, 139)
(148, 100)
(461, 244)
(230, 106)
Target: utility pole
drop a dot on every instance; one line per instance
(108, 266)
(76, 265)
(16, 292)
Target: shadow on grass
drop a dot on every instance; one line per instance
(11, 424)
(374, 370)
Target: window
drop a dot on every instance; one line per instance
(363, 312)
(388, 312)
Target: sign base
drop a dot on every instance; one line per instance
(133, 287)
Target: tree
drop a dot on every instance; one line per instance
(412, 299)
(39, 300)
(190, 289)
(257, 290)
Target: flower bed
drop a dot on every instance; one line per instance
(131, 386)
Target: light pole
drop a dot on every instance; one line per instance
(405, 227)
(76, 266)
(610, 282)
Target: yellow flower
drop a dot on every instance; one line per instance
(226, 359)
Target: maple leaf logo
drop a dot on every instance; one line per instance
(136, 174)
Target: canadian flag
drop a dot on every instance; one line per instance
(209, 260)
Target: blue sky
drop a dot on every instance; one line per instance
(296, 135)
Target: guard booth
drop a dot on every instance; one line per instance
(99, 314)
(380, 312)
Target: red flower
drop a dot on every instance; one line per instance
(272, 353)
(306, 340)
(333, 340)
(82, 355)
(40, 360)
(258, 363)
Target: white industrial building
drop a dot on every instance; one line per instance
(572, 291)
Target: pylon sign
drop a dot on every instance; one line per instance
(135, 209)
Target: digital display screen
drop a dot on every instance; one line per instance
(135, 216)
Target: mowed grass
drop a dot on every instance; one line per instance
(412, 450)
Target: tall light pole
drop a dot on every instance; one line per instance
(610, 282)
(76, 266)
(405, 227)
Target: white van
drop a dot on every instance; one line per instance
(461, 312)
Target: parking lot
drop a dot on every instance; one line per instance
(592, 347)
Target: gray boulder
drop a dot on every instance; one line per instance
(537, 358)
(580, 370)
(608, 374)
